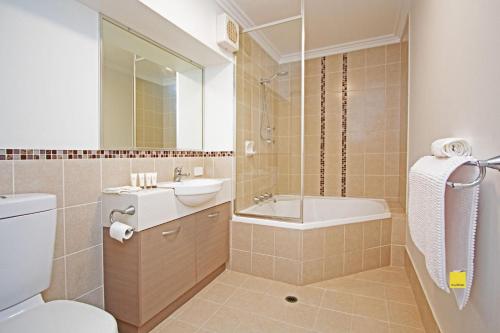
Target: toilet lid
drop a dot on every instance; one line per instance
(61, 317)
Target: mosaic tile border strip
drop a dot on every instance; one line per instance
(71, 154)
(343, 178)
(323, 129)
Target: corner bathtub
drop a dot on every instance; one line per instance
(319, 212)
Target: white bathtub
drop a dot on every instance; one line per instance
(319, 212)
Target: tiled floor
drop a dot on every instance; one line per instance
(373, 301)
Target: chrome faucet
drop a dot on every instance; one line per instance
(178, 174)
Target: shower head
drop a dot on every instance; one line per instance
(272, 77)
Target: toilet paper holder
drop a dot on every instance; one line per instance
(130, 210)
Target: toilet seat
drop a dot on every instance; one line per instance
(61, 317)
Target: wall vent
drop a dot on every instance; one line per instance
(228, 33)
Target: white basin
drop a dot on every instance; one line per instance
(194, 192)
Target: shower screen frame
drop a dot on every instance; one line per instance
(301, 17)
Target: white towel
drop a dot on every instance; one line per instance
(461, 207)
(121, 189)
(449, 147)
(431, 217)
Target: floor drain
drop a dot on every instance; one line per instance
(291, 299)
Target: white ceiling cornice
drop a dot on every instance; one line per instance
(341, 48)
(245, 22)
(400, 23)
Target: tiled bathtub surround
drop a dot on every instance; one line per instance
(77, 268)
(303, 257)
(364, 115)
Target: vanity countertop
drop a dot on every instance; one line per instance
(156, 206)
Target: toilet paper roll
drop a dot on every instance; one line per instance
(120, 231)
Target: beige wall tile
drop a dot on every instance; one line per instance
(356, 59)
(263, 265)
(223, 167)
(375, 56)
(241, 236)
(398, 229)
(40, 176)
(83, 227)
(241, 261)
(334, 266)
(353, 237)
(263, 239)
(143, 165)
(374, 186)
(386, 232)
(59, 241)
(371, 258)
(334, 240)
(393, 53)
(84, 271)
(385, 255)
(371, 234)
(95, 298)
(355, 186)
(57, 289)
(115, 172)
(286, 270)
(353, 262)
(288, 243)
(313, 244)
(82, 181)
(397, 255)
(375, 77)
(165, 169)
(6, 177)
(312, 271)
(374, 164)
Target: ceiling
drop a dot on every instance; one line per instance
(332, 26)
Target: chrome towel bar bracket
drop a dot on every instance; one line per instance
(492, 163)
(130, 210)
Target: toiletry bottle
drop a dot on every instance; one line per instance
(133, 179)
(141, 180)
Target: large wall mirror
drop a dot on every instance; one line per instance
(151, 98)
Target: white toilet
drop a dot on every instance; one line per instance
(27, 233)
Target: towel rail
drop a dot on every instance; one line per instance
(492, 163)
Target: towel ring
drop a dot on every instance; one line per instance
(492, 163)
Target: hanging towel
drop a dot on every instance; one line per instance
(449, 147)
(431, 216)
(461, 208)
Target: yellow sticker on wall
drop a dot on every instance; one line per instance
(458, 280)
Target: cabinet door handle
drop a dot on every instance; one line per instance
(171, 232)
(213, 215)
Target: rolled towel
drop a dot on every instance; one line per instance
(449, 147)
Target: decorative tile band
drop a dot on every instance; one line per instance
(343, 185)
(52, 154)
(323, 129)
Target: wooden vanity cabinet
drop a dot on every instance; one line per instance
(152, 274)
(212, 240)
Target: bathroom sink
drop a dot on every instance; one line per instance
(194, 192)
